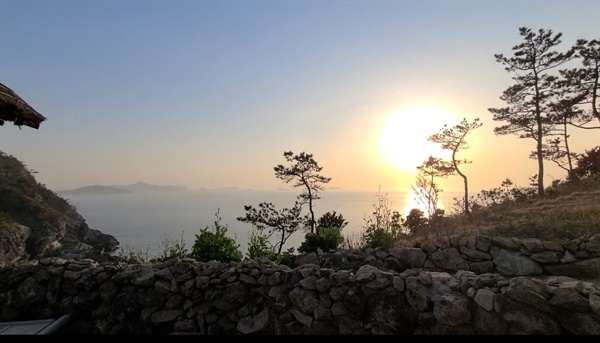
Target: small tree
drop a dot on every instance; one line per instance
(267, 218)
(527, 113)
(304, 170)
(454, 139)
(213, 244)
(416, 221)
(585, 82)
(426, 189)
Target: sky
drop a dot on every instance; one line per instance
(210, 94)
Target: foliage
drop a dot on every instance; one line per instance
(380, 237)
(588, 163)
(260, 247)
(557, 150)
(506, 192)
(569, 210)
(416, 221)
(266, 217)
(583, 84)
(528, 99)
(303, 169)
(575, 104)
(172, 249)
(213, 244)
(328, 234)
(324, 238)
(383, 226)
(425, 189)
(454, 139)
(28, 202)
(332, 220)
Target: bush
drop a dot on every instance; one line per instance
(259, 246)
(328, 234)
(588, 163)
(332, 220)
(324, 238)
(215, 245)
(416, 221)
(505, 193)
(383, 227)
(380, 237)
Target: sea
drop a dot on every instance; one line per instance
(144, 221)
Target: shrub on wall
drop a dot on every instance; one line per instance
(213, 244)
(259, 246)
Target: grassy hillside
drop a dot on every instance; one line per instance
(25, 200)
(35, 221)
(568, 211)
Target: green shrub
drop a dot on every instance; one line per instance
(332, 220)
(328, 234)
(383, 227)
(259, 246)
(215, 245)
(323, 238)
(380, 237)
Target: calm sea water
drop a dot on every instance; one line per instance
(142, 220)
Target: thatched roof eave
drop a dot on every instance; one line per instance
(14, 109)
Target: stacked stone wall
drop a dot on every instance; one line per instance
(449, 285)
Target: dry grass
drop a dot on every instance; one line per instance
(569, 210)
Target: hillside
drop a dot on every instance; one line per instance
(36, 222)
(569, 210)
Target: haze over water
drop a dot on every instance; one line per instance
(141, 220)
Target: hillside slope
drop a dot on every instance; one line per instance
(569, 210)
(36, 222)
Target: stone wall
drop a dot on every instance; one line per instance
(450, 285)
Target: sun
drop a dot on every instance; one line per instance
(403, 139)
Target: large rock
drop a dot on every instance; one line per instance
(13, 240)
(514, 263)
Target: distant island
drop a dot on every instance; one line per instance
(114, 189)
(96, 189)
(145, 187)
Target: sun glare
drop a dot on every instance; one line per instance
(403, 140)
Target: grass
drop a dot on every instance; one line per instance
(569, 210)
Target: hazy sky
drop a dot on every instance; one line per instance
(211, 93)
